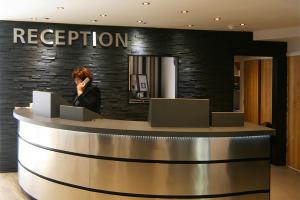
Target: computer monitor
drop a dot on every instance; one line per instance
(179, 112)
(47, 104)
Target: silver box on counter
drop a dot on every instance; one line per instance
(47, 104)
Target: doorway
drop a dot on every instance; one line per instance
(253, 88)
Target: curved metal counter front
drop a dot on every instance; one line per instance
(58, 162)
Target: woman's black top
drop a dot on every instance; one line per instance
(90, 98)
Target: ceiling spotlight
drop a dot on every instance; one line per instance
(103, 15)
(46, 18)
(94, 20)
(243, 24)
(217, 19)
(33, 18)
(60, 8)
(184, 11)
(141, 22)
(145, 3)
(190, 25)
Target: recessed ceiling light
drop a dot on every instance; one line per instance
(94, 20)
(46, 18)
(141, 22)
(190, 25)
(242, 24)
(103, 15)
(217, 19)
(146, 3)
(184, 11)
(60, 8)
(33, 18)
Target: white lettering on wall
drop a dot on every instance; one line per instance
(109, 37)
(63, 37)
(32, 36)
(124, 40)
(19, 33)
(73, 35)
(84, 35)
(60, 37)
(43, 34)
(94, 39)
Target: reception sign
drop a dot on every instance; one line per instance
(63, 37)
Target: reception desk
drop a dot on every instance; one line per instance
(108, 159)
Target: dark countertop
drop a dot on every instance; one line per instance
(138, 128)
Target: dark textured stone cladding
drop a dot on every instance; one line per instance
(205, 70)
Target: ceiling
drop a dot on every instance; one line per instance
(256, 14)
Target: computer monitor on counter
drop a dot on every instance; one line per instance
(47, 104)
(179, 112)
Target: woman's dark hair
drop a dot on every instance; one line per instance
(82, 73)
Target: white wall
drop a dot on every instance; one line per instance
(168, 77)
(293, 46)
(291, 35)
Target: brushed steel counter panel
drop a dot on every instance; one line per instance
(147, 147)
(98, 196)
(42, 189)
(146, 178)
(179, 179)
(73, 141)
(63, 167)
(45, 190)
(184, 148)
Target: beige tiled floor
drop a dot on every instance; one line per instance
(285, 185)
(9, 188)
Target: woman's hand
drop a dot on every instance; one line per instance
(80, 87)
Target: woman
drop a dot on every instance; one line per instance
(88, 95)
